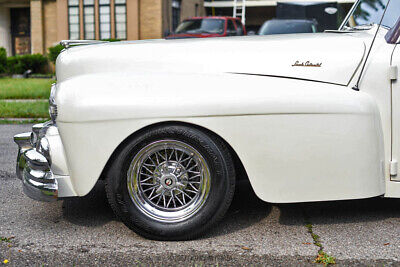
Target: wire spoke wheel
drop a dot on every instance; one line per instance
(168, 180)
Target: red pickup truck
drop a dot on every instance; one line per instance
(202, 27)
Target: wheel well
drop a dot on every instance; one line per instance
(241, 173)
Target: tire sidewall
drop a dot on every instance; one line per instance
(221, 185)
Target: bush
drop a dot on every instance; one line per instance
(54, 51)
(14, 66)
(3, 60)
(111, 40)
(19, 64)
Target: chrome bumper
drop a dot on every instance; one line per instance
(34, 162)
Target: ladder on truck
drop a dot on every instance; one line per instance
(239, 10)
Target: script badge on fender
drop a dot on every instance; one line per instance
(306, 64)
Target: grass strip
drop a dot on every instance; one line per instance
(26, 121)
(25, 88)
(24, 109)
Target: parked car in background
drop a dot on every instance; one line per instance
(201, 27)
(284, 26)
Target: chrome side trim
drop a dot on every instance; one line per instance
(68, 43)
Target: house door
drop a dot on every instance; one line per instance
(21, 31)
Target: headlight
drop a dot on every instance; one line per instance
(52, 103)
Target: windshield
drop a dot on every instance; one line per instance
(212, 26)
(286, 26)
(368, 12)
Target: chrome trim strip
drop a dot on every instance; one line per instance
(68, 43)
(348, 15)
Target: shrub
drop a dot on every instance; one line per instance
(14, 66)
(3, 60)
(54, 51)
(19, 64)
(111, 40)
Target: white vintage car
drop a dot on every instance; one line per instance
(171, 125)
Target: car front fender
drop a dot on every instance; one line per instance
(298, 140)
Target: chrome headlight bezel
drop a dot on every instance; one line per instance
(52, 103)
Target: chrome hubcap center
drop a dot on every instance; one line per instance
(168, 181)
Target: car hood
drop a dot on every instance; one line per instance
(324, 57)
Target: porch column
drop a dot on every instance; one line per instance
(150, 23)
(132, 16)
(37, 26)
(62, 20)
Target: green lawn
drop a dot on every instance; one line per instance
(24, 109)
(25, 88)
(28, 121)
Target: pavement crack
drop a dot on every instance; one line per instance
(322, 257)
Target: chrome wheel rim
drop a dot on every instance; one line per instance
(168, 180)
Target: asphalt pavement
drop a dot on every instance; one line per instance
(84, 231)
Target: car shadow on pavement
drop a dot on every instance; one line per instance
(342, 212)
(90, 210)
(94, 210)
(246, 210)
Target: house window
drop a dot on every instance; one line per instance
(105, 19)
(120, 19)
(73, 19)
(88, 19)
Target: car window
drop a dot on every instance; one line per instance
(371, 11)
(201, 26)
(286, 26)
(231, 30)
(239, 27)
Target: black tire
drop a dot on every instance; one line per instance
(221, 189)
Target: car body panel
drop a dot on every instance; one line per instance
(376, 82)
(258, 123)
(326, 57)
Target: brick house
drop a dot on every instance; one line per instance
(31, 26)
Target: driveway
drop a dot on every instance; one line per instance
(84, 231)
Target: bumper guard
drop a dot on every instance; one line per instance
(33, 164)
